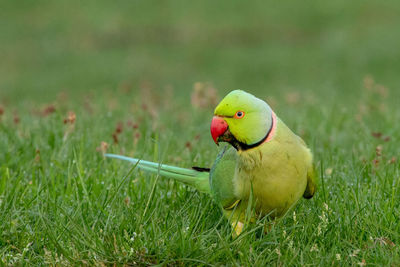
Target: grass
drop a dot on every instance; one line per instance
(74, 76)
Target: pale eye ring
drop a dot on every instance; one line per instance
(239, 114)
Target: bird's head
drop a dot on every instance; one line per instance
(242, 120)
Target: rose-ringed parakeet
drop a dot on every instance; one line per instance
(266, 166)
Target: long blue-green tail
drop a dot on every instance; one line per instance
(194, 178)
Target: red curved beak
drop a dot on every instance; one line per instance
(218, 128)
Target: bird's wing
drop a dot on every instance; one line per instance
(311, 174)
(311, 183)
(221, 178)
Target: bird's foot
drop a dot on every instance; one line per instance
(238, 227)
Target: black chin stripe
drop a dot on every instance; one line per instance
(242, 146)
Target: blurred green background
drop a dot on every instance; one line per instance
(266, 47)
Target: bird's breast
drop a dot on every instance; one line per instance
(276, 174)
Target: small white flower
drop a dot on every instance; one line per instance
(328, 171)
(355, 252)
(314, 248)
(362, 263)
(291, 244)
(319, 230)
(323, 217)
(133, 236)
(278, 252)
(338, 257)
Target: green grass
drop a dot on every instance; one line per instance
(330, 71)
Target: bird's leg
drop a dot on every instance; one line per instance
(269, 223)
(238, 227)
(268, 227)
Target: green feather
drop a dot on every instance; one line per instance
(196, 179)
(221, 177)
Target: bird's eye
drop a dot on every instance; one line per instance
(239, 114)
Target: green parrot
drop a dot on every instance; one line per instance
(265, 166)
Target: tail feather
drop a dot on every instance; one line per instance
(194, 178)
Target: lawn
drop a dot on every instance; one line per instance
(81, 78)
